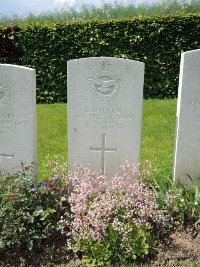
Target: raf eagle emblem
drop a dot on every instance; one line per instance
(104, 85)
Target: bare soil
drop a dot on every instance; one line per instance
(51, 253)
(183, 248)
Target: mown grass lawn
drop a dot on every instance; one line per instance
(158, 131)
(157, 141)
(52, 135)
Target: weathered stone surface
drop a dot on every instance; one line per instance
(187, 138)
(17, 117)
(104, 112)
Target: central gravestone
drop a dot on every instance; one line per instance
(17, 117)
(104, 112)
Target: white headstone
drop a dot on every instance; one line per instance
(104, 112)
(187, 139)
(17, 117)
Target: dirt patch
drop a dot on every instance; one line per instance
(51, 253)
(183, 248)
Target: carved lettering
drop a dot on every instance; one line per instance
(10, 123)
(103, 117)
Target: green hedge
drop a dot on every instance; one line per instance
(157, 41)
(9, 52)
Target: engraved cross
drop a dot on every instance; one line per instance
(103, 149)
(5, 156)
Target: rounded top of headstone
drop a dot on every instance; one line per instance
(192, 52)
(105, 58)
(16, 67)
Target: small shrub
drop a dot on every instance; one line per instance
(113, 221)
(31, 212)
(181, 202)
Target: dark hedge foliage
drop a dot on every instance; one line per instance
(156, 41)
(9, 52)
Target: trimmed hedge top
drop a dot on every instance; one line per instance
(156, 41)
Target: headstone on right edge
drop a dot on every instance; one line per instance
(187, 138)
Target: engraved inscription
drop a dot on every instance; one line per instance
(10, 123)
(5, 156)
(103, 118)
(103, 149)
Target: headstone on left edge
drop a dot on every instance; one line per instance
(17, 117)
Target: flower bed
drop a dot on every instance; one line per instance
(101, 221)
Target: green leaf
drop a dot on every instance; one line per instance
(30, 244)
